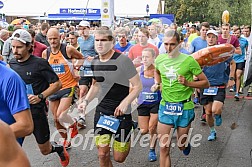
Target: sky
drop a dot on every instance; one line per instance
(38, 7)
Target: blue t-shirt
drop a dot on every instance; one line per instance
(217, 74)
(13, 97)
(3, 63)
(243, 44)
(123, 49)
(87, 46)
(197, 44)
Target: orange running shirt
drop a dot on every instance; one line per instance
(63, 69)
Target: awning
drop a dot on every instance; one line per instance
(69, 17)
(73, 17)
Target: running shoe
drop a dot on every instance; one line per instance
(73, 130)
(241, 91)
(67, 144)
(81, 123)
(212, 136)
(218, 120)
(187, 150)
(236, 97)
(64, 157)
(134, 125)
(231, 90)
(152, 155)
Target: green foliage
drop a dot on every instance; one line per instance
(210, 11)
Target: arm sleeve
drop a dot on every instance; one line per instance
(47, 71)
(236, 43)
(16, 97)
(194, 67)
(128, 67)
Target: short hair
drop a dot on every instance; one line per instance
(44, 26)
(145, 31)
(204, 24)
(121, 31)
(247, 27)
(171, 34)
(236, 28)
(151, 50)
(225, 24)
(74, 33)
(3, 33)
(32, 32)
(104, 31)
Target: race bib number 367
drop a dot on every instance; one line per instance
(109, 123)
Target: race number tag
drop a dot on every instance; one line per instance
(150, 97)
(108, 123)
(58, 68)
(88, 72)
(173, 108)
(29, 89)
(210, 91)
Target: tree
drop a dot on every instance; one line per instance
(211, 11)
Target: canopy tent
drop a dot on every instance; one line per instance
(20, 21)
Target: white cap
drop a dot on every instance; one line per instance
(21, 35)
(212, 32)
(84, 23)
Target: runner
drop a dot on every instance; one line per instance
(86, 43)
(114, 98)
(11, 157)
(58, 56)
(213, 98)
(175, 71)
(122, 45)
(240, 61)
(148, 101)
(37, 75)
(197, 44)
(135, 51)
(14, 111)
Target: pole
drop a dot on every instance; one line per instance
(85, 12)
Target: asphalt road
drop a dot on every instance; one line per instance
(231, 148)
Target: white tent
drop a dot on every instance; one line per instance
(124, 8)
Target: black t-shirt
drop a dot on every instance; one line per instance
(113, 77)
(37, 72)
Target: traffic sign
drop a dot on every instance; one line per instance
(1, 4)
(147, 8)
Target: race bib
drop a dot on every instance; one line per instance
(150, 97)
(29, 89)
(108, 123)
(88, 72)
(173, 108)
(211, 91)
(58, 68)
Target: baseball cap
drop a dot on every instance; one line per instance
(212, 32)
(21, 35)
(84, 23)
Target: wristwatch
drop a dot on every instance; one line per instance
(231, 78)
(41, 96)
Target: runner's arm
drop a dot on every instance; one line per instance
(11, 154)
(201, 83)
(93, 91)
(23, 125)
(54, 87)
(74, 54)
(238, 50)
(136, 89)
